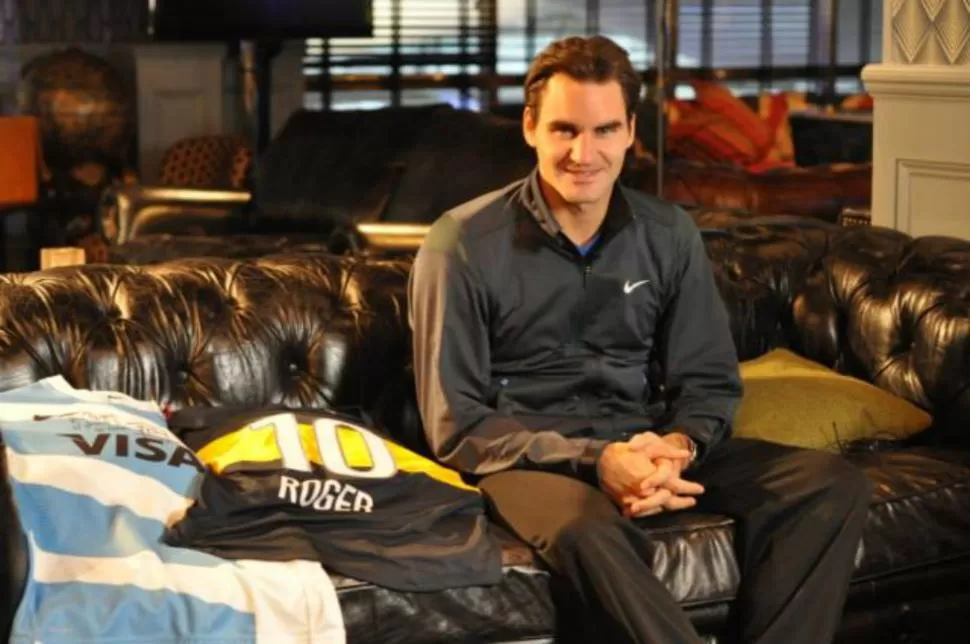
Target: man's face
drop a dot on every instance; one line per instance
(580, 135)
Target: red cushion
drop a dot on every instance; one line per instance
(719, 99)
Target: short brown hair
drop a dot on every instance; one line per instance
(592, 58)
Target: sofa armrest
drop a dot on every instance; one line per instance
(129, 210)
(378, 238)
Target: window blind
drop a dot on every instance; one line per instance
(526, 26)
(437, 40)
(745, 33)
(859, 31)
(425, 50)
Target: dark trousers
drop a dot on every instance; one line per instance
(799, 518)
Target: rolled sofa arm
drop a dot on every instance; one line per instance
(130, 210)
(382, 238)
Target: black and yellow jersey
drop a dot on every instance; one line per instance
(282, 485)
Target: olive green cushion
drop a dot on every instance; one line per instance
(791, 400)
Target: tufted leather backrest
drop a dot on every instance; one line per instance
(306, 331)
(871, 302)
(326, 331)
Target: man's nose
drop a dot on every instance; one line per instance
(582, 149)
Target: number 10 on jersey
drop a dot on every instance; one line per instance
(342, 449)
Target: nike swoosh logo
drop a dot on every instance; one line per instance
(629, 286)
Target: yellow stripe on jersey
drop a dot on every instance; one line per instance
(408, 461)
(247, 445)
(257, 443)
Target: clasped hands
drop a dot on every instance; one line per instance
(642, 475)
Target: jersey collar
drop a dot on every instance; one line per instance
(618, 213)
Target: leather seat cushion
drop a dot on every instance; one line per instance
(920, 515)
(693, 555)
(530, 602)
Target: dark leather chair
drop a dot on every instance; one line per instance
(315, 329)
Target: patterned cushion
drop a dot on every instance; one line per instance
(710, 137)
(221, 162)
(718, 127)
(716, 98)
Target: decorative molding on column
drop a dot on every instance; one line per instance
(929, 32)
(917, 81)
(942, 189)
(921, 147)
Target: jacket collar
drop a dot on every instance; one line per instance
(618, 213)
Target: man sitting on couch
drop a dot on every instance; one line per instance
(535, 311)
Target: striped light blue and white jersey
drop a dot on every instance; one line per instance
(96, 477)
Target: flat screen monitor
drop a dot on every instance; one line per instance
(225, 20)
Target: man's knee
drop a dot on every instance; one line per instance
(588, 537)
(839, 480)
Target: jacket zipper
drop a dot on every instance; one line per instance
(575, 324)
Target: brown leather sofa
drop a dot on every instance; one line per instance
(327, 170)
(314, 329)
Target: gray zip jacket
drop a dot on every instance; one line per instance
(529, 355)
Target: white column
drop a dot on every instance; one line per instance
(180, 94)
(921, 119)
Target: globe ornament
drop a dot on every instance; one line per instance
(83, 109)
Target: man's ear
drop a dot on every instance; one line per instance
(529, 126)
(633, 130)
